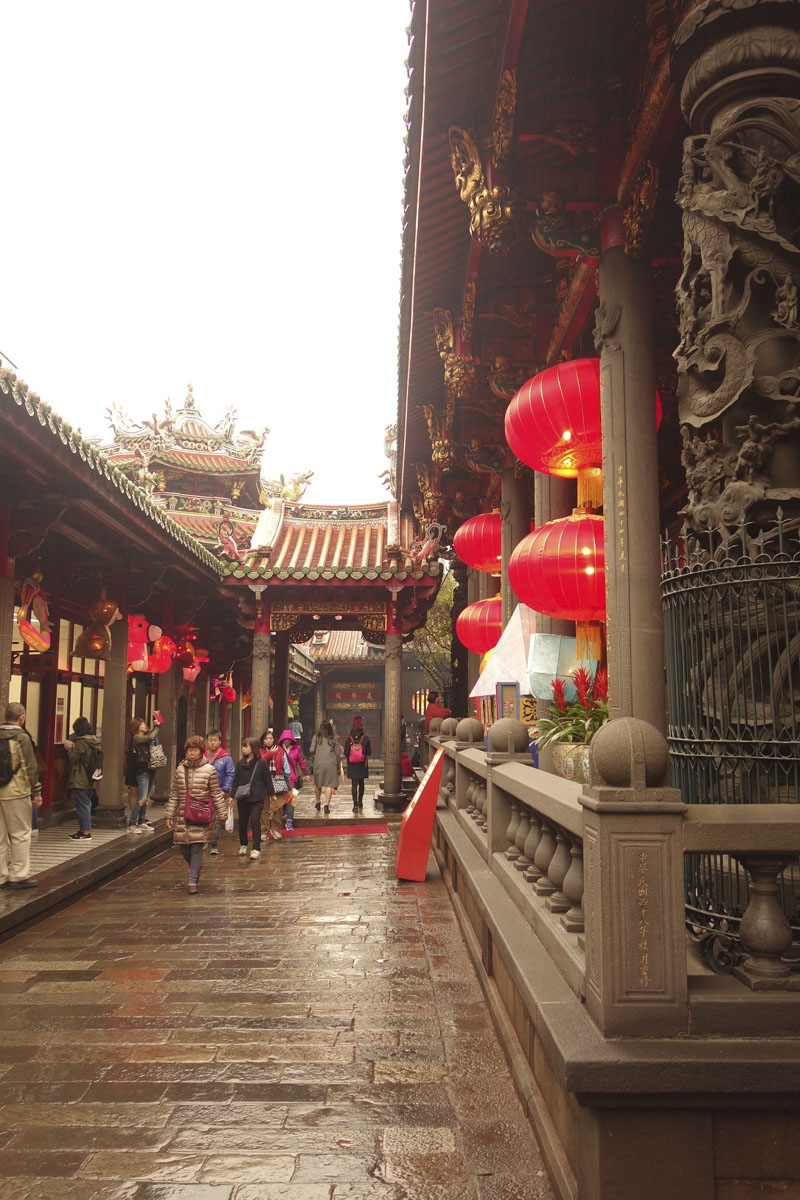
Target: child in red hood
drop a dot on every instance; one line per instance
(293, 759)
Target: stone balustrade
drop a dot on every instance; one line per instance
(530, 826)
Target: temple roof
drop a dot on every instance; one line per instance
(104, 471)
(297, 541)
(342, 645)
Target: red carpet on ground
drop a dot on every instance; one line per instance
(329, 830)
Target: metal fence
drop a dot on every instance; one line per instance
(732, 632)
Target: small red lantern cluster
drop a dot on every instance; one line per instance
(477, 542)
(479, 625)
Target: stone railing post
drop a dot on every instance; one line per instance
(469, 735)
(508, 742)
(633, 859)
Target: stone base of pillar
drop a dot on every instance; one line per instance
(110, 816)
(392, 803)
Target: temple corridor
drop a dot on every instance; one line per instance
(303, 1028)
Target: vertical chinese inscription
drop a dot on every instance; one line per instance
(643, 924)
(621, 528)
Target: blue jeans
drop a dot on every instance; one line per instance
(83, 807)
(144, 782)
(194, 858)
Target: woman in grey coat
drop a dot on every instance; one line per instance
(326, 756)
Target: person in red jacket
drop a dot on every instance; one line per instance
(434, 709)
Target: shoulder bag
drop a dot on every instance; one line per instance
(195, 812)
(158, 756)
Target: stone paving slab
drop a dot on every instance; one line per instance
(305, 1028)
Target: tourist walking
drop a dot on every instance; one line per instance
(19, 787)
(297, 769)
(280, 786)
(326, 764)
(84, 755)
(357, 752)
(248, 789)
(138, 770)
(435, 709)
(223, 764)
(194, 797)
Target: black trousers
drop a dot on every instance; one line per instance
(357, 786)
(250, 810)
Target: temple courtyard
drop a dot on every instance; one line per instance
(305, 1028)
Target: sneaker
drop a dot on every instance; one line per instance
(290, 825)
(148, 825)
(34, 833)
(139, 829)
(132, 829)
(255, 854)
(80, 836)
(191, 889)
(276, 833)
(22, 883)
(242, 851)
(213, 848)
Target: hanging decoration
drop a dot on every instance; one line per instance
(479, 625)
(95, 640)
(560, 569)
(164, 649)
(201, 656)
(32, 597)
(221, 688)
(553, 425)
(140, 632)
(477, 542)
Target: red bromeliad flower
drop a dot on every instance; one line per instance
(558, 694)
(600, 689)
(583, 686)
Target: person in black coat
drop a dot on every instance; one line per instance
(251, 784)
(357, 752)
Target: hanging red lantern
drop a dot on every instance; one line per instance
(553, 425)
(479, 625)
(477, 542)
(560, 569)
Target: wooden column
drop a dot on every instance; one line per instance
(235, 723)
(280, 685)
(630, 491)
(392, 796)
(459, 655)
(111, 790)
(515, 513)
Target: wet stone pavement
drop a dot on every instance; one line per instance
(305, 1028)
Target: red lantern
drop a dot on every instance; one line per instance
(560, 569)
(477, 542)
(553, 425)
(479, 625)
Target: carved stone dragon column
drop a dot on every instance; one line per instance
(737, 64)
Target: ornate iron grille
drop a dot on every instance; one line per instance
(732, 632)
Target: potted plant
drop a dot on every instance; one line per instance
(571, 724)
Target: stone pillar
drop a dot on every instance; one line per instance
(392, 796)
(459, 655)
(636, 983)
(170, 686)
(280, 684)
(111, 791)
(635, 632)
(515, 513)
(259, 715)
(235, 722)
(553, 498)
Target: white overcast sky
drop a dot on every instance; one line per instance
(210, 193)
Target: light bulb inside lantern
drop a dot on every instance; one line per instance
(590, 570)
(586, 551)
(566, 435)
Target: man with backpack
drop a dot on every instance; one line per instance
(19, 786)
(85, 770)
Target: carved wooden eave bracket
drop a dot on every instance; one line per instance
(638, 214)
(566, 233)
(496, 212)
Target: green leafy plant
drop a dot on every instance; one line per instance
(576, 721)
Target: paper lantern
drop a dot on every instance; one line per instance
(553, 425)
(560, 569)
(479, 625)
(477, 542)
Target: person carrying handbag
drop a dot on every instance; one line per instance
(140, 774)
(279, 786)
(194, 798)
(248, 789)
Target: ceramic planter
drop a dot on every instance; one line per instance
(572, 760)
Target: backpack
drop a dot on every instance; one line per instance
(356, 754)
(94, 764)
(7, 770)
